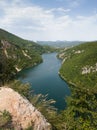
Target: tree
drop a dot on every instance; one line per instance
(81, 113)
(7, 69)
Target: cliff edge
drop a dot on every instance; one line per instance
(23, 113)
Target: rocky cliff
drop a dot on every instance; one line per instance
(23, 113)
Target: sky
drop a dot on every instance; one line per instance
(50, 20)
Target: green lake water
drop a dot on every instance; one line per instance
(44, 79)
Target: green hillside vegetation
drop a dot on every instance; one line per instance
(26, 44)
(79, 69)
(49, 49)
(17, 54)
(80, 65)
(13, 39)
(81, 111)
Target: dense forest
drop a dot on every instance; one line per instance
(80, 64)
(79, 69)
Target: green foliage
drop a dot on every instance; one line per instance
(71, 69)
(5, 121)
(16, 53)
(49, 49)
(40, 101)
(45, 106)
(7, 70)
(81, 113)
(23, 89)
(15, 40)
(29, 128)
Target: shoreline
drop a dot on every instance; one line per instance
(68, 82)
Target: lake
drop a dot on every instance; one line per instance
(44, 79)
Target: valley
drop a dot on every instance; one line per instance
(61, 84)
(48, 64)
(44, 79)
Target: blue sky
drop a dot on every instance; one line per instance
(50, 19)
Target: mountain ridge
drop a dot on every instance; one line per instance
(60, 44)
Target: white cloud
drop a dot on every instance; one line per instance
(35, 23)
(60, 10)
(74, 3)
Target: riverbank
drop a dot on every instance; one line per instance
(68, 82)
(44, 79)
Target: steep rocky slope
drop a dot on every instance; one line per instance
(16, 54)
(23, 113)
(25, 53)
(22, 57)
(5, 35)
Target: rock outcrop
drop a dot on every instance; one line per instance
(23, 113)
(89, 69)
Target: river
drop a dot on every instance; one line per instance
(44, 79)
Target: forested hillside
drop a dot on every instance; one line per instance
(79, 68)
(13, 39)
(17, 54)
(80, 64)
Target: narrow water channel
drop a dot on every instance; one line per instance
(44, 79)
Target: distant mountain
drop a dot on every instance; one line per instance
(60, 44)
(17, 54)
(80, 64)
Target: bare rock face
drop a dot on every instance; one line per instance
(23, 113)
